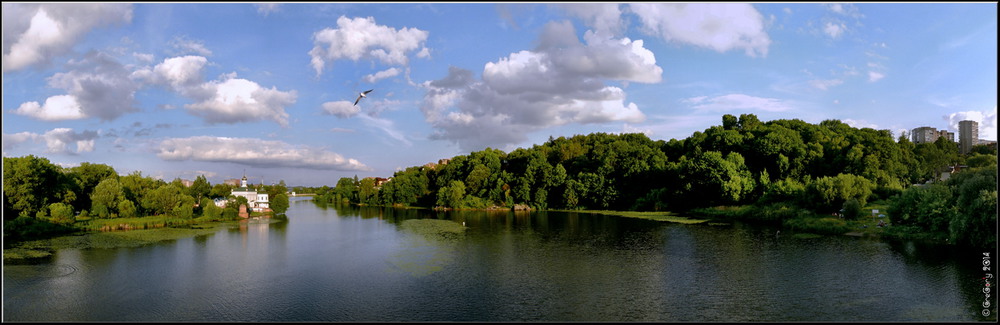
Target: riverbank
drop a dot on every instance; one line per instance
(122, 233)
(803, 222)
(665, 216)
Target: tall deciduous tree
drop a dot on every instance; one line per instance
(29, 184)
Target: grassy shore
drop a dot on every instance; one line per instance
(114, 233)
(657, 216)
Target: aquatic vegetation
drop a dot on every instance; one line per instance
(657, 216)
(430, 248)
(135, 238)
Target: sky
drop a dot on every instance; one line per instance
(178, 90)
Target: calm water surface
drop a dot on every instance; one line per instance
(351, 264)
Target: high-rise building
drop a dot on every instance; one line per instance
(968, 135)
(924, 134)
(947, 135)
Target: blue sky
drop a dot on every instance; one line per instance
(187, 89)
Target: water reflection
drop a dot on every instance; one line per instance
(349, 263)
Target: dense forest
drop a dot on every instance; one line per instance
(41, 198)
(825, 168)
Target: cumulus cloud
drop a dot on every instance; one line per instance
(98, 85)
(717, 26)
(237, 100)
(15, 139)
(987, 122)
(34, 33)
(601, 17)
(341, 109)
(255, 152)
(387, 73)
(56, 140)
(229, 100)
(562, 81)
(360, 38)
(738, 102)
(181, 74)
(56, 108)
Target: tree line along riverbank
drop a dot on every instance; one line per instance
(788, 172)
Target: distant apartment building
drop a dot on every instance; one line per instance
(924, 134)
(968, 135)
(947, 135)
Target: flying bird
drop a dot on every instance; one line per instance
(362, 95)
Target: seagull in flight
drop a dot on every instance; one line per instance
(362, 95)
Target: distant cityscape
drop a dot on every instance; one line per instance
(968, 136)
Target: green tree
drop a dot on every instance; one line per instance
(347, 189)
(852, 209)
(200, 188)
(163, 199)
(367, 193)
(87, 176)
(220, 191)
(61, 213)
(451, 195)
(127, 209)
(29, 184)
(106, 197)
(280, 204)
(976, 160)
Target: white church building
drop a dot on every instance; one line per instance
(257, 201)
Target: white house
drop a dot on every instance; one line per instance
(257, 201)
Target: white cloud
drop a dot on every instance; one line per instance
(387, 73)
(180, 74)
(602, 17)
(342, 109)
(875, 76)
(561, 82)
(860, 124)
(718, 26)
(35, 33)
(987, 122)
(846, 10)
(825, 84)
(98, 86)
(183, 45)
(266, 8)
(57, 141)
(56, 108)
(143, 57)
(361, 38)
(386, 126)
(229, 100)
(632, 129)
(255, 152)
(834, 30)
(738, 102)
(16, 139)
(239, 100)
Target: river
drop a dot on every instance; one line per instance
(376, 264)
